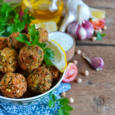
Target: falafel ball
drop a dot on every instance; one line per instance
(43, 35)
(8, 60)
(55, 72)
(40, 80)
(30, 57)
(13, 43)
(13, 85)
(3, 42)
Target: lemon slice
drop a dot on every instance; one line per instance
(98, 14)
(59, 61)
(49, 26)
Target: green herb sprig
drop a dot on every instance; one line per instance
(19, 24)
(10, 21)
(6, 16)
(64, 109)
(100, 35)
(34, 40)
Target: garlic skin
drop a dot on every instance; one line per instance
(82, 33)
(71, 13)
(96, 63)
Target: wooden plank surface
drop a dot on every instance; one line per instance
(96, 95)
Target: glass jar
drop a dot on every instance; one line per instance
(44, 10)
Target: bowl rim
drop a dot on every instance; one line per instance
(34, 97)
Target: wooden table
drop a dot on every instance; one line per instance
(96, 95)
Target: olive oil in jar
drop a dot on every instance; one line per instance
(44, 10)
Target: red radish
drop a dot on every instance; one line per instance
(70, 73)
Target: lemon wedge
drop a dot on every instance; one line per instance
(49, 26)
(98, 14)
(60, 60)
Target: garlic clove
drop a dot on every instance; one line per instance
(96, 63)
(82, 33)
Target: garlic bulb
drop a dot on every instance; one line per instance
(71, 13)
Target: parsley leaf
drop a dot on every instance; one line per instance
(6, 16)
(34, 35)
(100, 36)
(51, 103)
(64, 109)
(1, 1)
(48, 56)
(23, 38)
(61, 111)
(26, 17)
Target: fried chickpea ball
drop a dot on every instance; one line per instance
(30, 57)
(3, 42)
(43, 35)
(13, 85)
(13, 43)
(1, 75)
(54, 72)
(8, 60)
(40, 80)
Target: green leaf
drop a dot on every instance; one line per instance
(100, 36)
(43, 45)
(1, 1)
(61, 112)
(103, 34)
(51, 103)
(48, 56)
(67, 108)
(26, 17)
(49, 53)
(23, 38)
(54, 97)
(64, 101)
(34, 34)
(47, 61)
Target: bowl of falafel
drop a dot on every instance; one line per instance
(24, 75)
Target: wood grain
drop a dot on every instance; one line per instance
(96, 95)
(101, 3)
